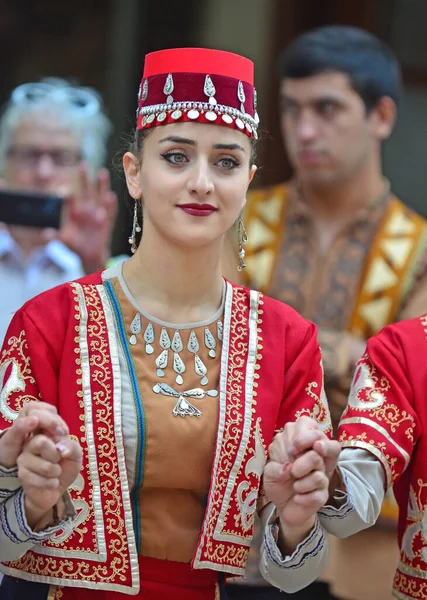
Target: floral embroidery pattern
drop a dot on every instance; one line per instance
(15, 374)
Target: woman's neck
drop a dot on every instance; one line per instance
(175, 284)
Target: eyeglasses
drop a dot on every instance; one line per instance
(82, 99)
(30, 157)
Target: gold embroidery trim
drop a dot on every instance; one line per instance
(232, 378)
(35, 566)
(381, 430)
(413, 572)
(370, 446)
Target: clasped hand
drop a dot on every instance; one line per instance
(296, 479)
(48, 459)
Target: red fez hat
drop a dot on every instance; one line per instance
(198, 84)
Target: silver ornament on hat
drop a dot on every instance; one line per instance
(169, 88)
(256, 116)
(210, 91)
(241, 96)
(144, 90)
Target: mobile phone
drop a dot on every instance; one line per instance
(30, 209)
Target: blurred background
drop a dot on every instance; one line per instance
(102, 43)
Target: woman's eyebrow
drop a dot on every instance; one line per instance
(176, 139)
(228, 147)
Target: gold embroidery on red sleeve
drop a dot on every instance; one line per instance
(319, 410)
(369, 406)
(15, 373)
(368, 391)
(376, 447)
(410, 579)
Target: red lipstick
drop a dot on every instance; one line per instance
(197, 210)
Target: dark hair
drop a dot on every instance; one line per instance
(137, 144)
(373, 69)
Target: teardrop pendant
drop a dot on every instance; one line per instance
(165, 341)
(168, 89)
(162, 362)
(210, 342)
(220, 331)
(135, 326)
(178, 367)
(209, 89)
(135, 329)
(193, 343)
(200, 369)
(149, 339)
(177, 343)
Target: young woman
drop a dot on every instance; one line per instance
(172, 380)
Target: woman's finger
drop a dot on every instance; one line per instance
(50, 423)
(277, 472)
(29, 406)
(29, 479)
(42, 446)
(313, 500)
(306, 463)
(316, 480)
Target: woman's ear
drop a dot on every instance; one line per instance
(131, 167)
(252, 172)
(251, 176)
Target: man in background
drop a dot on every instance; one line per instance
(339, 247)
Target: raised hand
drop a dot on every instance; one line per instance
(34, 417)
(89, 219)
(45, 471)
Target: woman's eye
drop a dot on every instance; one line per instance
(228, 163)
(175, 158)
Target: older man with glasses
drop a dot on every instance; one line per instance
(53, 138)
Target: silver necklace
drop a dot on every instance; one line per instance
(184, 408)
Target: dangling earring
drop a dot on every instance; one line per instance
(243, 239)
(136, 228)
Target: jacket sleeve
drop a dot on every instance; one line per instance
(380, 416)
(303, 395)
(378, 432)
(28, 372)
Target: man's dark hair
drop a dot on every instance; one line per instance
(373, 69)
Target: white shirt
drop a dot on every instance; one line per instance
(22, 278)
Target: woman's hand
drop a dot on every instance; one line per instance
(296, 477)
(46, 470)
(34, 417)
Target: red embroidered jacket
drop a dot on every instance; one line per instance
(62, 348)
(387, 415)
